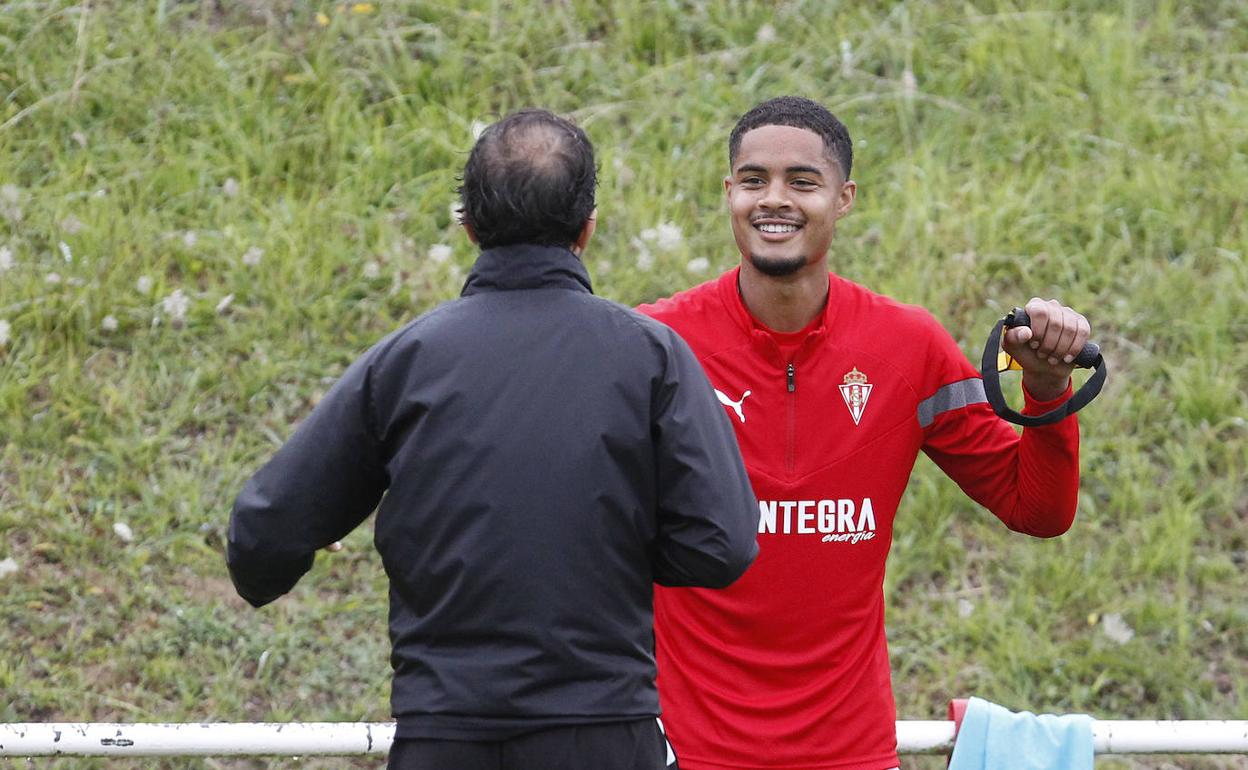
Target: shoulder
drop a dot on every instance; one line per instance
(701, 315)
(877, 311)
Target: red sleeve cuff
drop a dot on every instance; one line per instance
(1035, 406)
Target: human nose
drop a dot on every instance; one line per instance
(775, 195)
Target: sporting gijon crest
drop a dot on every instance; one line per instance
(856, 390)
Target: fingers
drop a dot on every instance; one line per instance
(1058, 333)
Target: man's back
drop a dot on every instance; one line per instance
(526, 435)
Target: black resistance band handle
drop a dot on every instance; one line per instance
(1089, 358)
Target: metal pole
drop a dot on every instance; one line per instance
(345, 738)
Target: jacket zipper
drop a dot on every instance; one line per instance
(791, 436)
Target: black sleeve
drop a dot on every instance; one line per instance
(708, 515)
(318, 487)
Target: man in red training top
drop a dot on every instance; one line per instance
(833, 391)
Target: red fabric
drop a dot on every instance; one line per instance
(788, 667)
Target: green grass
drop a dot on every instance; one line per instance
(1091, 151)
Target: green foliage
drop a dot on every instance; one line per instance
(302, 170)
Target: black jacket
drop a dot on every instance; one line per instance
(545, 456)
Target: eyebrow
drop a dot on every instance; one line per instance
(756, 169)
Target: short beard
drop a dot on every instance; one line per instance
(777, 268)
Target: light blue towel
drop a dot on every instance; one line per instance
(994, 738)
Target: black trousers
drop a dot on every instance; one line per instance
(636, 745)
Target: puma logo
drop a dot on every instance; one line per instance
(735, 405)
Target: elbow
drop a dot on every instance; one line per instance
(1046, 529)
(731, 570)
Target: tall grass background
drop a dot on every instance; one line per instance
(208, 209)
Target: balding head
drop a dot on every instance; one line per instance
(530, 178)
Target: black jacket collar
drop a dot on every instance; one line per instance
(526, 266)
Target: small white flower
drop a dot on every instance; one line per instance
(847, 57)
(66, 253)
(909, 85)
(251, 257)
(966, 608)
(765, 34)
(175, 306)
(230, 188)
(8, 567)
(5, 333)
(440, 252)
(603, 267)
(698, 265)
(669, 236)
(649, 234)
(144, 284)
(123, 532)
(6, 259)
(189, 239)
(71, 224)
(478, 128)
(225, 303)
(109, 324)
(1113, 626)
(80, 138)
(372, 270)
(645, 260)
(52, 278)
(10, 194)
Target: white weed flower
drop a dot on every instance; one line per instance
(698, 265)
(669, 236)
(645, 260)
(144, 284)
(372, 270)
(225, 303)
(65, 252)
(190, 238)
(440, 252)
(603, 267)
(1116, 628)
(649, 234)
(123, 532)
(478, 128)
(765, 34)
(71, 224)
(7, 567)
(6, 331)
(10, 194)
(909, 85)
(6, 259)
(230, 187)
(52, 278)
(966, 608)
(109, 324)
(251, 257)
(847, 57)
(80, 138)
(176, 305)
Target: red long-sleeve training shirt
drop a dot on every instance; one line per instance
(788, 667)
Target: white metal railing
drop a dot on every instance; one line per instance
(345, 738)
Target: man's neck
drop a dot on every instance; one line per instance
(784, 304)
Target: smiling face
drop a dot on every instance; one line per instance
(784, 195)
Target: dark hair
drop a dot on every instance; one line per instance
(530, 178)
(799, 112)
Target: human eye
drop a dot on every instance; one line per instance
(802, 183)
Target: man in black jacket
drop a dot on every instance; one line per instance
(545, 456)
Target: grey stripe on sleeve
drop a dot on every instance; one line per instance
(955, 395)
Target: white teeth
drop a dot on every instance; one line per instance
(769, 228)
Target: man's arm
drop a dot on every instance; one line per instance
(1030, 482)
(318, 487)
(708, 515)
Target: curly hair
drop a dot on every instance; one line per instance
(799, 112)
(530, 178)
